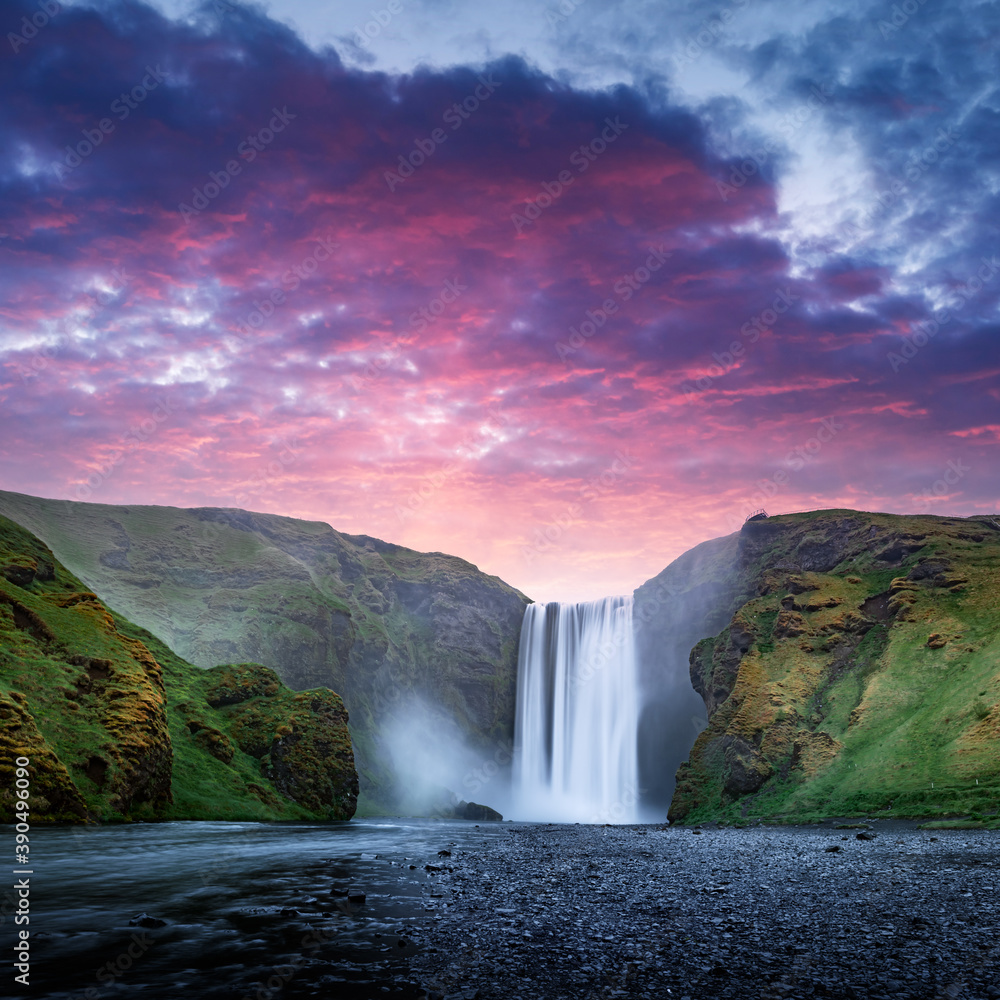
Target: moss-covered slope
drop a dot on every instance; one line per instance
(859, 673)
(118, 727)
(383, 625)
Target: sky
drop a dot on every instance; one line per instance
(563, 288)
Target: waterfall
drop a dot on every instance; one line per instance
(577, 713)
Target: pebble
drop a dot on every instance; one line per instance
(575, 911)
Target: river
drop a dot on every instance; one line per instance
(511, 911)
(251, 910)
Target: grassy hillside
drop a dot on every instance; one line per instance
(382, 625)
(119, 727)
(859, 675)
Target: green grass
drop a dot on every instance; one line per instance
(323, 608)
(961, 824)
(913, 728)
(764, 622)
(98, 688)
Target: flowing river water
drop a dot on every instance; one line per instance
(251, 910)
(510, 911)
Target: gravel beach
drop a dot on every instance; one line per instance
(782, 912)
(419, 909)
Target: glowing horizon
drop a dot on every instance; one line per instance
(563, 313)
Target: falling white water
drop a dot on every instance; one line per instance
(577, 714)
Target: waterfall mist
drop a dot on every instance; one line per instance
(436, 764)
(578, 707)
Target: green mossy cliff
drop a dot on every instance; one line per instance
(858, 673)
(386, 627)
(117, 727)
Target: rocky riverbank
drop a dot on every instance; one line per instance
(769, 912)
(419, 909)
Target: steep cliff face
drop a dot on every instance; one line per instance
(118, 727)
(858, 673)
(693, 597)
(384, 626)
